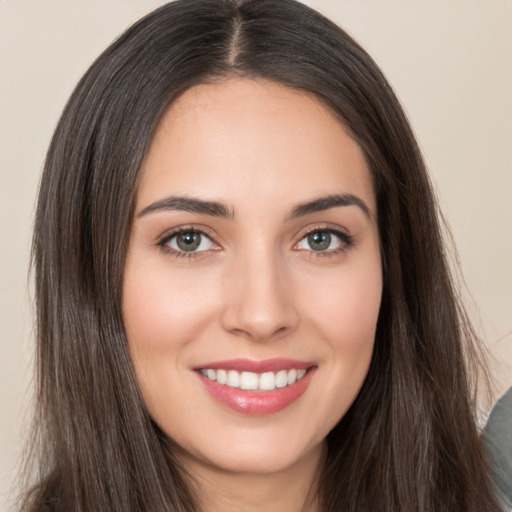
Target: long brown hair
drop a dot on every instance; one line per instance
(409, 441)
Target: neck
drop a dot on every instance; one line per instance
(292, 489)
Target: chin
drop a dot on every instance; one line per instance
(262, 456)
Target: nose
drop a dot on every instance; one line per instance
(259, 298)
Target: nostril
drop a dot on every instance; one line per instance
(260, 332)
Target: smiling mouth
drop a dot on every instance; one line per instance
(251, 381)
(255, 387)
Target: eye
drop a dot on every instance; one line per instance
(188, 241)
(324, 240)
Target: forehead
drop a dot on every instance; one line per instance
(252, 138)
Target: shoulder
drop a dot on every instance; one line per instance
(497, 439)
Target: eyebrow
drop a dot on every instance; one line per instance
(328, 202)
(189, 204)
(217, 209)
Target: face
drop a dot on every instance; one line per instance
(253, 278)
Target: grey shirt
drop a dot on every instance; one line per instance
(497, 439)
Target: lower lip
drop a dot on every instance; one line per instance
(257, 402)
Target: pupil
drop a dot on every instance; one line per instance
(319, 241)
(188, 241)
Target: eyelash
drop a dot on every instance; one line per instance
(347, 241)
(167, 237)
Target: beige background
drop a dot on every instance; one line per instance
(449, 60)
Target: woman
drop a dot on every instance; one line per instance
(243, 300)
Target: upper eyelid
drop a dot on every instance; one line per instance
(333, 228)
(170, 233)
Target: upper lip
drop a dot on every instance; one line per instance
(251, 365)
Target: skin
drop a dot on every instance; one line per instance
(258, 290)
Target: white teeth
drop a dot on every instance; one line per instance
(233, 379)
(222, 376)
(281, 379)
(267, 381)
(249, 380)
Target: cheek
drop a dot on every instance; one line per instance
(164, 312)
(345, 316)
(346, 307)
(357, 299)
(163, 309)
